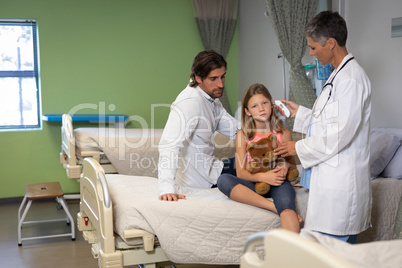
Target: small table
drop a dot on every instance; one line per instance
(119, 120)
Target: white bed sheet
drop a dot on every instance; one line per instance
(384, 254)
(206, 228)
(387, 193)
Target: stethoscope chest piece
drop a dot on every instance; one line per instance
(317, 113)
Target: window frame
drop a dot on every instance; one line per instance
(35, 73)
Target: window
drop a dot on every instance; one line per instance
(20, 107)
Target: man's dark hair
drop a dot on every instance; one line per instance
(205, 62)
(327, 24)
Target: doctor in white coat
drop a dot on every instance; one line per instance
(335, 153)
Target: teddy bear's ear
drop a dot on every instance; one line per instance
(251, 146)
(272, 137)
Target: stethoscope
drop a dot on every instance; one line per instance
(317, 113)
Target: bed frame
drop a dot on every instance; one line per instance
(304, 252)
(68, 157)
(95, 220)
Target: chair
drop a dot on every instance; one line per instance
(37, 191)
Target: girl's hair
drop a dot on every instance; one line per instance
(247, 122)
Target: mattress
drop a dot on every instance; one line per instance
(121, 147)
(134, 151)
(206, 228)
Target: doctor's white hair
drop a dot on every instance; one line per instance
(325, 25)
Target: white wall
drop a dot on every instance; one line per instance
(258, 50)
(369, 26)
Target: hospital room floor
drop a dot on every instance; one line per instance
(52, 252)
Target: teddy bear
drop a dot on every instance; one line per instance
(264, 159)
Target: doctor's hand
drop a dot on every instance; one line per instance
(171, 197)
(293, 107)
(286, 149)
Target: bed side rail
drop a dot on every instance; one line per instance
(148, 238)
(304, 252)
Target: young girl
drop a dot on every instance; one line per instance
(259, 120)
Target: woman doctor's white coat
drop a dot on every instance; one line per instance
(337, 150)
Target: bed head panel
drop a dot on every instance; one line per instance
(67, 138)
(67, 123)
(67, 154)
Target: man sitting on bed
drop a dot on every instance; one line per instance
(187, 143)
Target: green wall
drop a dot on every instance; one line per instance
(120, 56)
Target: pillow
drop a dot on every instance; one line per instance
(383, 145)
(394, 168)
(396, 131)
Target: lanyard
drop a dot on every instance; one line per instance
(316, 114)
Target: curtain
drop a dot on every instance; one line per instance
(216, 22)
(289, 18)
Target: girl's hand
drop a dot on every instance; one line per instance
(293, 108)
(275, 177)
(284, 167)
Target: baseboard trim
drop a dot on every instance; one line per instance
(18, 199)
(11, 200)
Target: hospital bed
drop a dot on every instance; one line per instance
(206, 228)
(119, 150)
(121, 216)
(311, 249)
(80, 143)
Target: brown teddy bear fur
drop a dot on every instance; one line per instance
(264, 159)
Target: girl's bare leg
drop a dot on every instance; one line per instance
(242, 194)
(289, 219)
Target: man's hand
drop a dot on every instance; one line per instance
(171, 197)
(286, 149)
